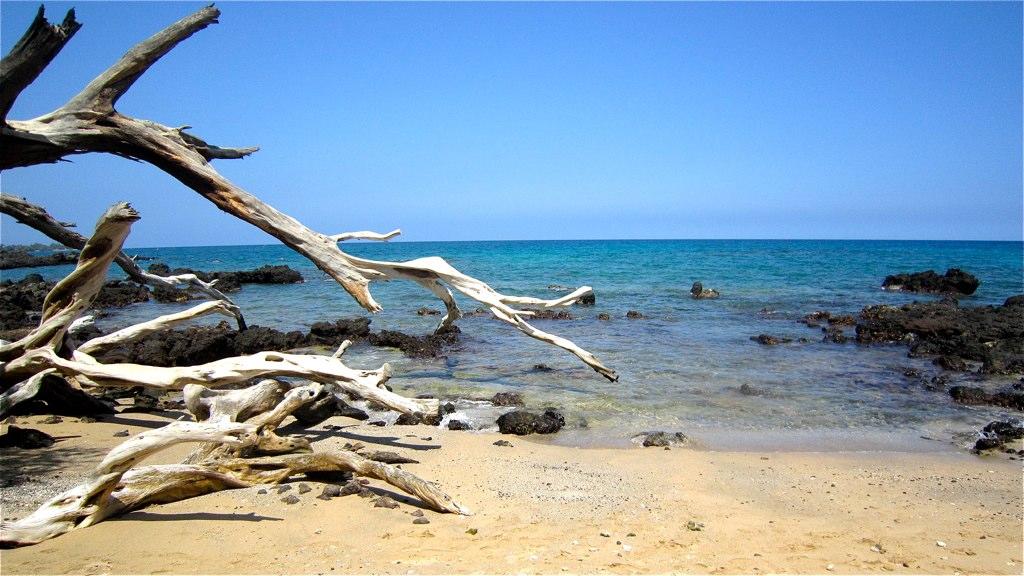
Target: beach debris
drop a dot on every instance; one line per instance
(505, 443)
(471, 531)
(25, 438)
(51, 420)
(521, 422)
(606, 534)
(290, 499)
(634, 315)
(389, 458)
(385, 502)
(120, 434)
(940, 543)
(830, 567)
(699, 292)
(660, 439)
(694, 526)
(261, 491)
(998, 433)
(877, 548)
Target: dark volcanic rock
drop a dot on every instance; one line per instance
(458, 425)
(334, 333)
(588, 299)
(814, 319)
(660, 439)
(973, 395)
(699, 292)
(28, 438)
(227, 281)
(428, 312)
(548, 314)
(951, 363)
(844, 320)
(120, 293)
(634, 315)
(56, 396)
(604, 316)
(325, 407)
(992, 335)
(507, 399)
(835, 335)
(954, 281)
(521, 422)
(998, 433)
(21, 302)
(770, 340)
(21, 257)
(429, 346)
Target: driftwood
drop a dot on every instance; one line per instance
(36, 217)
(89, 122)
(237, 428)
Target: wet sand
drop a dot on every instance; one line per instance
(541, 508)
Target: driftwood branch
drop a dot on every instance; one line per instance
(137, 331)
(75, 293)
(89, 123)
(365, 235)
(30, 56)
(39, 219)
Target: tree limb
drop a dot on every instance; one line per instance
(30, 56)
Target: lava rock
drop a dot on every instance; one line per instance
(25, 438)
(23, 257)
(951, 363)
(330, 491)
(954, 281)
(521, 422)
(458, 425)
(588, 299)
(767, 340)
(604, 316)
(699, 292)
(430, 346)
(428, 312)
(835, 335)
(660, 439)
(385, 502)
(634, 315)
(548, 314)
(508, 398)
(972, 395)
(998, 433)
(291, 499)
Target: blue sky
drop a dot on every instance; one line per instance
(462, 121)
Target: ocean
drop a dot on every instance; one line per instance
(682, 367)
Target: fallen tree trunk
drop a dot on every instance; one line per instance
(89, 123)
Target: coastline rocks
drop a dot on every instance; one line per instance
(424, 311)
(660, 439)
(507, 399)
(21, 302)
(604, 316)
(548, 314)
(429, 346)
(835, 335)
(954, 281)
(521, 422)
(814, 319)
(22, 257)
(458, 425)
(226, 281)
(588, 299)
(768, 340)
(634, 315)
(25, 438)
(972, 395)
(699, 292)
(992, 335)
(997, 434)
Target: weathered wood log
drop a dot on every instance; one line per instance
(91, 502)
(89, 123)
(141, 330)
(30, 56)
(39, 219)
(76, 292)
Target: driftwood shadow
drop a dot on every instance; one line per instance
(391, 441)
(158, 517)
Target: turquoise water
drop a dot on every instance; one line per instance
(681, 369)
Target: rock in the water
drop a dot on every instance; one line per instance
(428, 312)
(458, 425)
(521, 422)
(768, 340)
(814, 319)
(660, 439)
(430, 346)
(951, 363)
(26, 438)
(508, 398)
(604, 316)
(835, 335)
(588, 299)
(699, 292)
(954, 281)
(634, 315)
(972, 395)
(548, 314)
(998, 433)
(24, 257)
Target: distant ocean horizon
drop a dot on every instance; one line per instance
(682, 368)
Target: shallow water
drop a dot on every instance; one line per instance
(680, 369)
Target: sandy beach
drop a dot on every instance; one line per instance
(539, 508)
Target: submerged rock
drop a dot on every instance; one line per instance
(634, 315)
(660, 439)
(429, 346)
(604, 316)
(972, 395)
(954, 281)
(549, 314)
(588, 299)
(521, 422)
(508, 399)
(768, 340)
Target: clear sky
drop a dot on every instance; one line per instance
(463, 121)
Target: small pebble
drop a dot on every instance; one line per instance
(471, 531)
(290, 499)
(503, 443)
(940, 543)
(878, 548)
(261, 491)
(330, 491)
(830, 567)
(121, 434)
(385, 502)
(284, 488)
(303, 488)
(418, 513)
(51, 420)
(605, 534)
(420, 521)
(694, 526)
